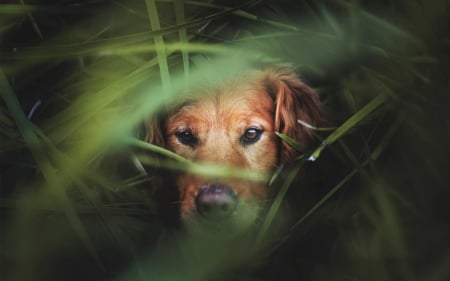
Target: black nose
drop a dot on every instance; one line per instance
(216, 200)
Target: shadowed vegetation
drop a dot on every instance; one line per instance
(79, 78)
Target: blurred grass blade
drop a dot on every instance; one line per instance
(159, 43)
(373, 156)
(33, 22)
(27, 130)
(179, 163)
(386, 140)
(276, 204)
(319, 129)
(331, 21)
(356, 118)
(157, 149)
(382, 24)
(182, 33)
(325, 198)
(25, 127)
(244, 14)
(13, 9)
(36, 55)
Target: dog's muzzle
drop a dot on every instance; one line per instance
(216, 200)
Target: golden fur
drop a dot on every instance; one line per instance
(213, 125)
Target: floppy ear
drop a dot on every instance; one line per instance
(154, 132)
(294, 100)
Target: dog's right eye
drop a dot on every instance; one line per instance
(186, 137)
(251, 135)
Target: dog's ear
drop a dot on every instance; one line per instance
(154, 132)
(294, 101)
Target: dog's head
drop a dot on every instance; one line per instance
(232, 124)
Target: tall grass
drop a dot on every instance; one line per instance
(77, 80)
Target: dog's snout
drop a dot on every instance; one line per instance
(216, 200)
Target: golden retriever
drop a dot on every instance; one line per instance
(232, 123)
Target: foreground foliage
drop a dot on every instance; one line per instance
(77, 78)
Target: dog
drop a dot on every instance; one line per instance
(233, 123)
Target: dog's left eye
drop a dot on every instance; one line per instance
(251, 135)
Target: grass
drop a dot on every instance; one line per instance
(78, 78)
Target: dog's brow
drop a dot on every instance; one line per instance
(188, 102)
(178, 106)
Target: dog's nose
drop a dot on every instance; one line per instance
(216, 200)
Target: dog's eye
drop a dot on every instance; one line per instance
(251, 135)
(186, 137)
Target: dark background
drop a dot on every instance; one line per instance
(374, 206)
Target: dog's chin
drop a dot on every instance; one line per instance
(241, 221)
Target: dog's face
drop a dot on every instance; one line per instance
(233, 125)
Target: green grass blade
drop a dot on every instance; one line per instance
(274, 208)
(179, 163)
(15, 9)
(244, 14)
(331, 21)
(294, 144)
(157, 149)
(182, 33)
(325, 198)
(159, 43)
(55, 188)
(33, 22)
(382, 24)
(25, 127)
(350, 123)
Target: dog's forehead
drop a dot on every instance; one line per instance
(225, 101)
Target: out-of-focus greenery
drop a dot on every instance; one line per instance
(78, 78)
